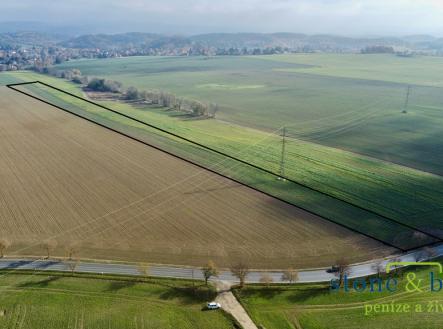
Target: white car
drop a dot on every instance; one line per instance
(213, 306)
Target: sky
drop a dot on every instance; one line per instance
(344, 17)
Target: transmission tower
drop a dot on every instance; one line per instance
(282, 159)
(407, 99)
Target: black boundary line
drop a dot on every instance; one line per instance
(11, 86)
(238, 160)
(21, 83)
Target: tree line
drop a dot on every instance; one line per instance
(159, 98)
(171, 101)
(239, 270)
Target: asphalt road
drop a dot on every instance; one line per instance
(316, 275)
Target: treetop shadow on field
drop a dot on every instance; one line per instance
(184, 116)
(186, 294)
(189, 295)
(43, 283)
(118, 285)
(301, 295)
(296, 295)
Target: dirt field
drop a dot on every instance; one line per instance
(68, 180)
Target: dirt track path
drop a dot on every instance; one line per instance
(231, 305)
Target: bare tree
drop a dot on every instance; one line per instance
(72, 249)
(342, 269)
(379, 267)
(179, 104)
(266, 279)
(392, 267)
(154, 97)
(72, 264)
(143, 269)
(425, 253)
(213, 109)
(168, 99)
(49, 246)
(144, 95)
(209, 270)
(4, 244)
(290, 275)
(199, 108)
(240, 271)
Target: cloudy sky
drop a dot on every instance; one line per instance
(346, 17)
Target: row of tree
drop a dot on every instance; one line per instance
(171, 101)
(239, 270)
(378, 50)
(154, 97)
(49, 245)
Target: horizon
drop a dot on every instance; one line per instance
(48, 29)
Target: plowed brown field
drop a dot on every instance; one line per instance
(66, 179)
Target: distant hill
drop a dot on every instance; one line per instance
(236, 40)
(290, 40)
(293, 41)
(27, 39)
(112, 41)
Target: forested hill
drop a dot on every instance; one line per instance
(28, 39)
(238, 40)
(292, 41)
(111, 41)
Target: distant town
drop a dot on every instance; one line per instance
(39, 58)
(32, 50)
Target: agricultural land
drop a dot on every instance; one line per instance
(110, 197)
(54, 301)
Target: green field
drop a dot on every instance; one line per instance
(61, 301)
(404, 194)
(314, 306)
(425, 71)
(353, 102)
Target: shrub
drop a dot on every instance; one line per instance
(132, 93)
(104, 85)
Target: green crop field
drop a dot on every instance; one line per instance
(315, 306)
(58, 301)
(404, 194)
(353, 102)
(426, 71)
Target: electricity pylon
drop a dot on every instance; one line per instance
(407, 99)
(282, 159)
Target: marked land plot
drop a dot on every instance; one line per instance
(113, 198)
